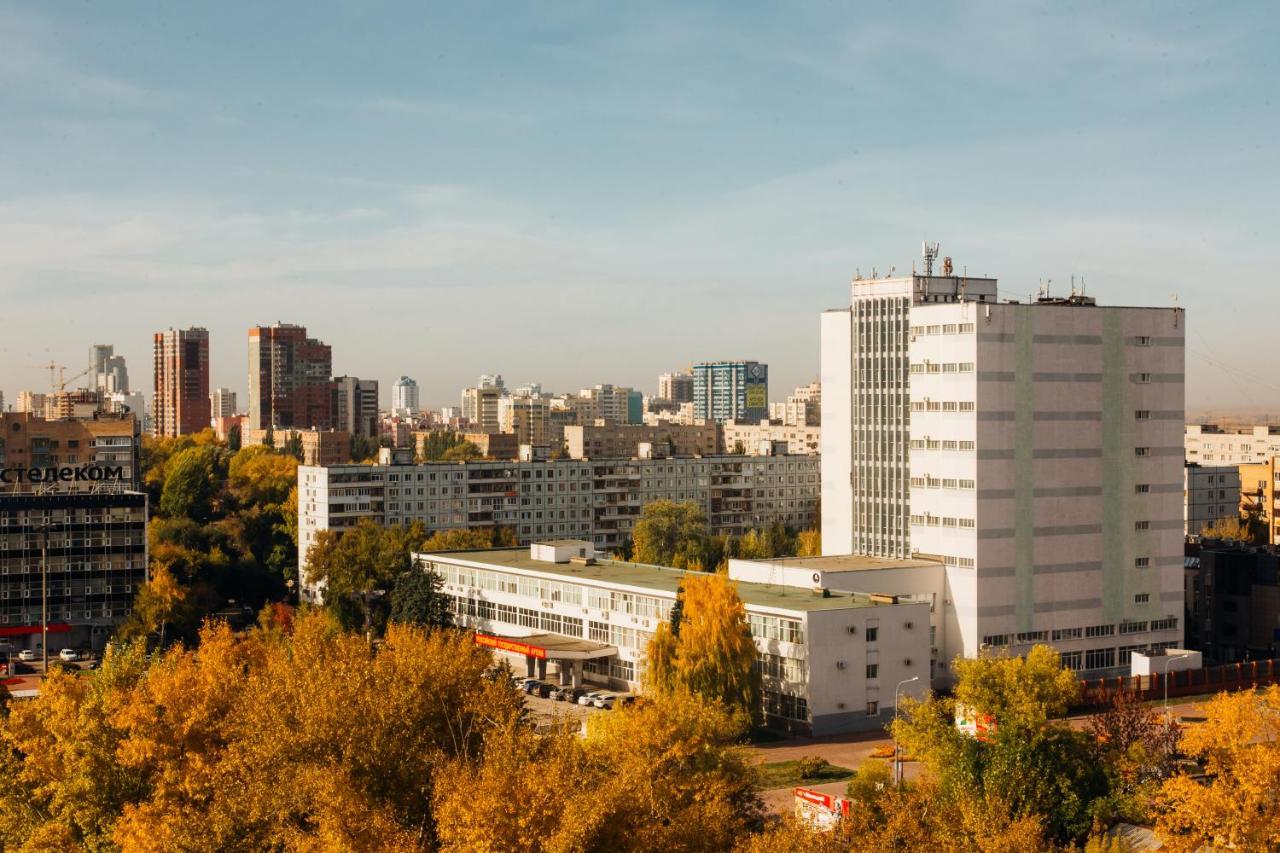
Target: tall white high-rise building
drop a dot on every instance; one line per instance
(107, 371)
(404, 397)
(1035, 449)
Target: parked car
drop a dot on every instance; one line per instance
(93, 664)
(604, 700)
(589, 698)
(545, 690)
(68, 655)
(27, 655)
(562, 694)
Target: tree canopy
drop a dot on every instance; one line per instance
(709, 652)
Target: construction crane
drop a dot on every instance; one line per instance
(58, 378)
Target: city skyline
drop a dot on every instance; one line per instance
(617, 180)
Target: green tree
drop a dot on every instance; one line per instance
(671, 534)
(190, 483)
(464, 452)
(359, 565)
(713, 654)
(1018, 691)
(417, 599)
(436, 443)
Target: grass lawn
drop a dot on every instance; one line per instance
(786, 774)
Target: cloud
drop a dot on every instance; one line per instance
(33, 67)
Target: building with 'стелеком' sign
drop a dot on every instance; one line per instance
(73, 529)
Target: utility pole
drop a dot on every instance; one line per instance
(44, 593)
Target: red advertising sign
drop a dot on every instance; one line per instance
(505, 645)
(819, 810)
(25, 630)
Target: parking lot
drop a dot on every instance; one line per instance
(546, 711)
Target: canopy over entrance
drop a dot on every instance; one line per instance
(568, 652)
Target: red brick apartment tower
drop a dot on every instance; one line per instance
(289, 379)
(181, 403)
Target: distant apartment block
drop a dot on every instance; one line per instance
(319, 446)
(289, 379)
(1212, 493)
(1213, 444)
(676, 387)
(180, 404)
(1260, 495)
(603, 440)
(751, 438)
(404, 397)
(107, 371)
(731, 391)
(802, 408)
(480, 407)
(222, 403)
(355, 406)
(494, 445)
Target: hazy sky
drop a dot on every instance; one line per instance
(583, 193)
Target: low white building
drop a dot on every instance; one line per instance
(830, 660)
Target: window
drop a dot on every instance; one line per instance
(1100, 631)
(871, 634)
(1142, 378)
(996, 640)
(1142, 488)
(873, 709)
(1142, 415)
(1141, 562)
(1133, 627)
(1141, 598)
(1142, 525)
(1099, 658)
(966, 367)
(1067, 634)
(873, 670)
(1164, 624)
(1142, 451)
(1071, 660)
(1142, 340)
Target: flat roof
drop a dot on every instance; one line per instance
(848, 563)
(657, 579)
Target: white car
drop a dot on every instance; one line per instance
(68, 655)
(27, 655)
(589, 698)
(604, 700)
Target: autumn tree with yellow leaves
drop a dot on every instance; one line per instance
(708, 649)
(274, 740)
(1238, 807)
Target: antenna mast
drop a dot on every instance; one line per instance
(930, 252)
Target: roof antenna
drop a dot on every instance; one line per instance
(930, 252)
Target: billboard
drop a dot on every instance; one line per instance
(819, 810)
(504, 645)
(758, 396)
(975, 725)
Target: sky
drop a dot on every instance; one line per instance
(573, 193)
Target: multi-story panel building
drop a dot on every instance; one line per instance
(598, 500)
(829, 660)
(1032, 448)
(180, 404)
(1233, 601)
(1218, 444)
(222, 403)
(731, 391)
(614, 404)
(355, 405)
(802, 408)
(289, 379)
(1210, 493)
(676, 387)
(404, 398)
(530, 418)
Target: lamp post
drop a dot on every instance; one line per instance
(897, 762)
(1167, 664)
(44, 594)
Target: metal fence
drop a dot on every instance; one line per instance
(1098, 692)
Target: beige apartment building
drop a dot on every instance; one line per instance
(1259, 484)
(756, 439)
(603, 440)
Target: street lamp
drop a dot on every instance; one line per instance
(897, 762)
(1167, 664)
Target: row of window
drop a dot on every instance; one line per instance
(944, 329)
(942, 367)
(927, 443)
(942, 406)
(780, 667)
(764, 627)
(928, 482)
(1090, 632)
(928, 520)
